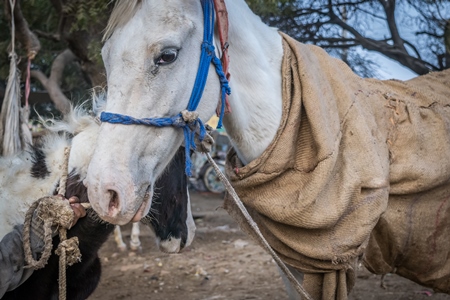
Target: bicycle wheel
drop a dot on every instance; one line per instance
(211, 180)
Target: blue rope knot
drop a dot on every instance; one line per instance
(195, 125)
(209, 48)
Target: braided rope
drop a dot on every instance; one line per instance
(62, 265)
(62, 248)
(262, 241)
(69, 254)
(31, 262)
(53, 212)
(65, 175)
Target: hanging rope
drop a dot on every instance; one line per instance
(26, 136)
(27, 82)
(9, 118)
(52, 211)
(14, 131)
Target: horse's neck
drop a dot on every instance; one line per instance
(255, 53)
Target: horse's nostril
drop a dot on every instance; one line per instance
(114, 199)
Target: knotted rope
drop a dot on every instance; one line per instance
(52, 211)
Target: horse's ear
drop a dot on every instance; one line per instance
(98, 102)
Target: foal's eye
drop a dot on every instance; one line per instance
(167, 56)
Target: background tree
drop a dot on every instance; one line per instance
(68, 60)
(68, 63)
(410, 32)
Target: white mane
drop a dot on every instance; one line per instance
(123, 11)
(19, 188)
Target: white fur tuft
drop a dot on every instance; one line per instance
(19, 189)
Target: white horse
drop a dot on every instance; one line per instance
(151, 56)
(145, 78)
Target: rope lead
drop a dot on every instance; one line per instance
(258, 235)
(53, 211)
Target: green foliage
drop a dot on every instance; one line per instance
(85, 12)
(83, 22)
(267, 7)
(40, 15)
(94, 51)
(82, 17)
(5, 39)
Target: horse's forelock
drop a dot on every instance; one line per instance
(123, 11)
(98, 102)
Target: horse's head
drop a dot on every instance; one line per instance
(170, 216)
(151, 57)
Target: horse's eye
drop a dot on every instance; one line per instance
(168, 56)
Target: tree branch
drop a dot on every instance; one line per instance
(25, 36)
(49, 36)
(396, 51)
(389, 10)
(53, 83)
(413, 48)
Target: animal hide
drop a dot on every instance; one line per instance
(359, 169)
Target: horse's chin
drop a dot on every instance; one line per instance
(170, 246)
(143, 209)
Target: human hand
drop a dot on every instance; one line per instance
(78, 210)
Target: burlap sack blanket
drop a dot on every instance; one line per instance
(358, 168)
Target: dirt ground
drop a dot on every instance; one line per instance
(222, 263)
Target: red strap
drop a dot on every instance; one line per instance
(27, 83)
(222, 26)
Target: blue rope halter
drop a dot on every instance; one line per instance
(188, 120)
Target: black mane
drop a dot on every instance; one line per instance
(39, 164)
